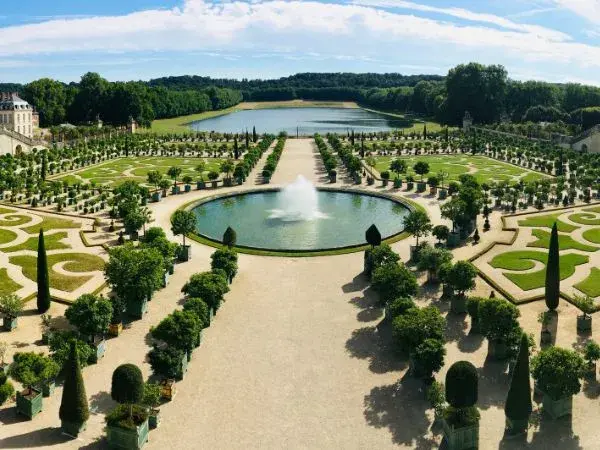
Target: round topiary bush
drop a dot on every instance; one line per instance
(399, 306)
(127, 384)
(462, 385)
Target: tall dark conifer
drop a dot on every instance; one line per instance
(43, 280)
(518, 402)
(74, 411)
(553, 272)
(254, 136)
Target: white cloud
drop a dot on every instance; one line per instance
(588, 9)
(295, 28)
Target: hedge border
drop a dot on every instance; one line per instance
(202, 239)
(496, 286)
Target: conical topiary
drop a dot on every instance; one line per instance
(553, 272)
(43, 281)
(74, 411)
(518, 402)
(229, 237)
(373, 236)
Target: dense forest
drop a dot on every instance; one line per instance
(485, 91)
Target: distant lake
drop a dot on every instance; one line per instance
(307, 120)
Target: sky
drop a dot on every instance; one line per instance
(551, 40)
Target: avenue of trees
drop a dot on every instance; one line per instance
(485, 91)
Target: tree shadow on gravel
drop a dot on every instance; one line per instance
(470, 343)
(456, 327)
(494, 382)
(552, 434)
(372, 344)
(358, 283)
(101, 403)
(43, 437)
(401, 407)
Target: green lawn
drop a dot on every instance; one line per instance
(51, 223)
(7, 236)
(482, 168)
(51, 241)
(592, 235)
(547, 221)
(523, 260)
(75, 262)
(591, 285)
(14, 220)
(6, 210)
(7, 285)
(565, 242)
(585, 219)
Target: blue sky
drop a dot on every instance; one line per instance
(553, 40)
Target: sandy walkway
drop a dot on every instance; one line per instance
(299, 157)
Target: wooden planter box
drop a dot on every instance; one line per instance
(29, 402)
(433, 190)
(184, 364)
(185, 253)
(137, 309)
(497, 350)
(153, 418)
(99, 345)
(114, 329)
(584, 324)
(458, 304)
(156, 196)
(421, 187)
(47, 388)
(333, 178)
(453, 239)
(214, 184)
(175, 190)
(72, 428)
(167, 389)
(127, 439)
(557, 408)
(443, 194)
(187, 188)
(200, 185)
(398, 183)
(461, 438)
(410, 185)
(9, 323)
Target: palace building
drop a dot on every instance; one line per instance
(16, 114)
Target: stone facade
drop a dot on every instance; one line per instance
(16, 114)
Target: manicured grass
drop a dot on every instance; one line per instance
(52, 223)
(547, 221)
(484, 169)
(6, 236)
(7, 285)
(6, 210)
(180, 124)
(565, 242)
(413, 125)
(14, 220)
(52, 242)
(585, 219)
(75, 262)
(591, 285)
(523, 260)
(592, 235)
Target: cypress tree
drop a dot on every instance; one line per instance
(518, 402)
(229, 237)
(254, 136)
(74, 409)
(373, 236)
(43, 280)
(553, 272)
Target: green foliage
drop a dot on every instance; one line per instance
(558, 372)
(552, 292)
(32, 369)
(166, 361)
(127, 416)
(60, 348)
(417, 324)
(441, 232)
(11, 305)
(7, 390)
(183, 222)
(43, 280)
(429, 356)
(127, 384)
(462, 385)
(400, 306)
(180, 329)
(134, 274)
(461, 277)
(226, 260)
(378, 256)
(432, 258)
(518, 401)
(394, 280)
(473, 307)
(373, 236)
(417, 224)
(497, 318)
(74, 404)
(209, 286)
(198, 307)
(421, 168)
(90, 314)
(591, 351)
(152, 394)
(229, 237)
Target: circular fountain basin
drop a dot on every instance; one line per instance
(332, 219)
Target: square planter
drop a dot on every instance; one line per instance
(200, 185)
(29, 402)
(453, 239)
(187, 188)
(333, 178)
(214, 184)
(137, 309)
(443, 194)
(127, 439)
(433, 190)
(114, 329)
(156, 196)
(167, 389)
(584, 324)
(99, 346)
(154, 418)
(421, 187)
(184, 365)
(72, 428)
(410, 185)
(227, 182)
(165, 279)
(175, 190)
(556, 409)
(458, 304)
(461, 438)
(185, 253)
(9, 323)
(47, 388)
(497, 350)
(397, 183)
(384, 182)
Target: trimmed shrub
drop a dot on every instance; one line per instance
(417, 324)
(558, 372)
(127, 384)
(400, 306)
(373, 236)
(462, 385)
(229, 237)
(199, 308)
(518, 401)
(74, 404)
(394, 280)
